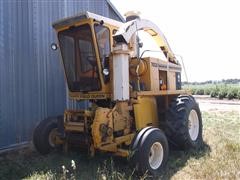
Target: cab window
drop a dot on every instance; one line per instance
(102, 35)
(103, 41)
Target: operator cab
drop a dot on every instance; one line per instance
(85, 45)
(79, 58)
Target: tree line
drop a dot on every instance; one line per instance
(223, 81)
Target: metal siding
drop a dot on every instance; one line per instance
(112, 14)
(31, 78)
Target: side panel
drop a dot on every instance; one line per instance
(145, 112)
(155, 74)
(171, 79)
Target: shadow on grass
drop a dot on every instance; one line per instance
(27, 164)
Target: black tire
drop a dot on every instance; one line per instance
(142, 155)
(177, 123)
(41, 135)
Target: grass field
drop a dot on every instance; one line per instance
(219, 158)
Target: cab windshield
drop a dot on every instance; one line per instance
(79, 58)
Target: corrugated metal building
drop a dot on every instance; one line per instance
(31, 78)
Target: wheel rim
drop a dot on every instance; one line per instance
(52, 137)
(193, 124)
(155, 155)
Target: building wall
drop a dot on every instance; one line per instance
(32, 85)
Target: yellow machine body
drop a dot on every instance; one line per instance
(110, 125)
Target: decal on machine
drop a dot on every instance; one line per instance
(163, 66)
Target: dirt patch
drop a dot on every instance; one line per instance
(213, 104)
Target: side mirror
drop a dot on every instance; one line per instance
(54, 46)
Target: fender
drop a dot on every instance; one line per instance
(138, 136)
(147, 134)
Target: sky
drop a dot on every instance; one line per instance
(206, 33)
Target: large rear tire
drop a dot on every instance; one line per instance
(184, 123)
(151, 154)
(44, 135)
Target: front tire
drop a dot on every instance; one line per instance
(184, 123)
(152, 152)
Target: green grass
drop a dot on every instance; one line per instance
(221, 133)
(219, 159)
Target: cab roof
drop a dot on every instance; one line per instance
(69, 21)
